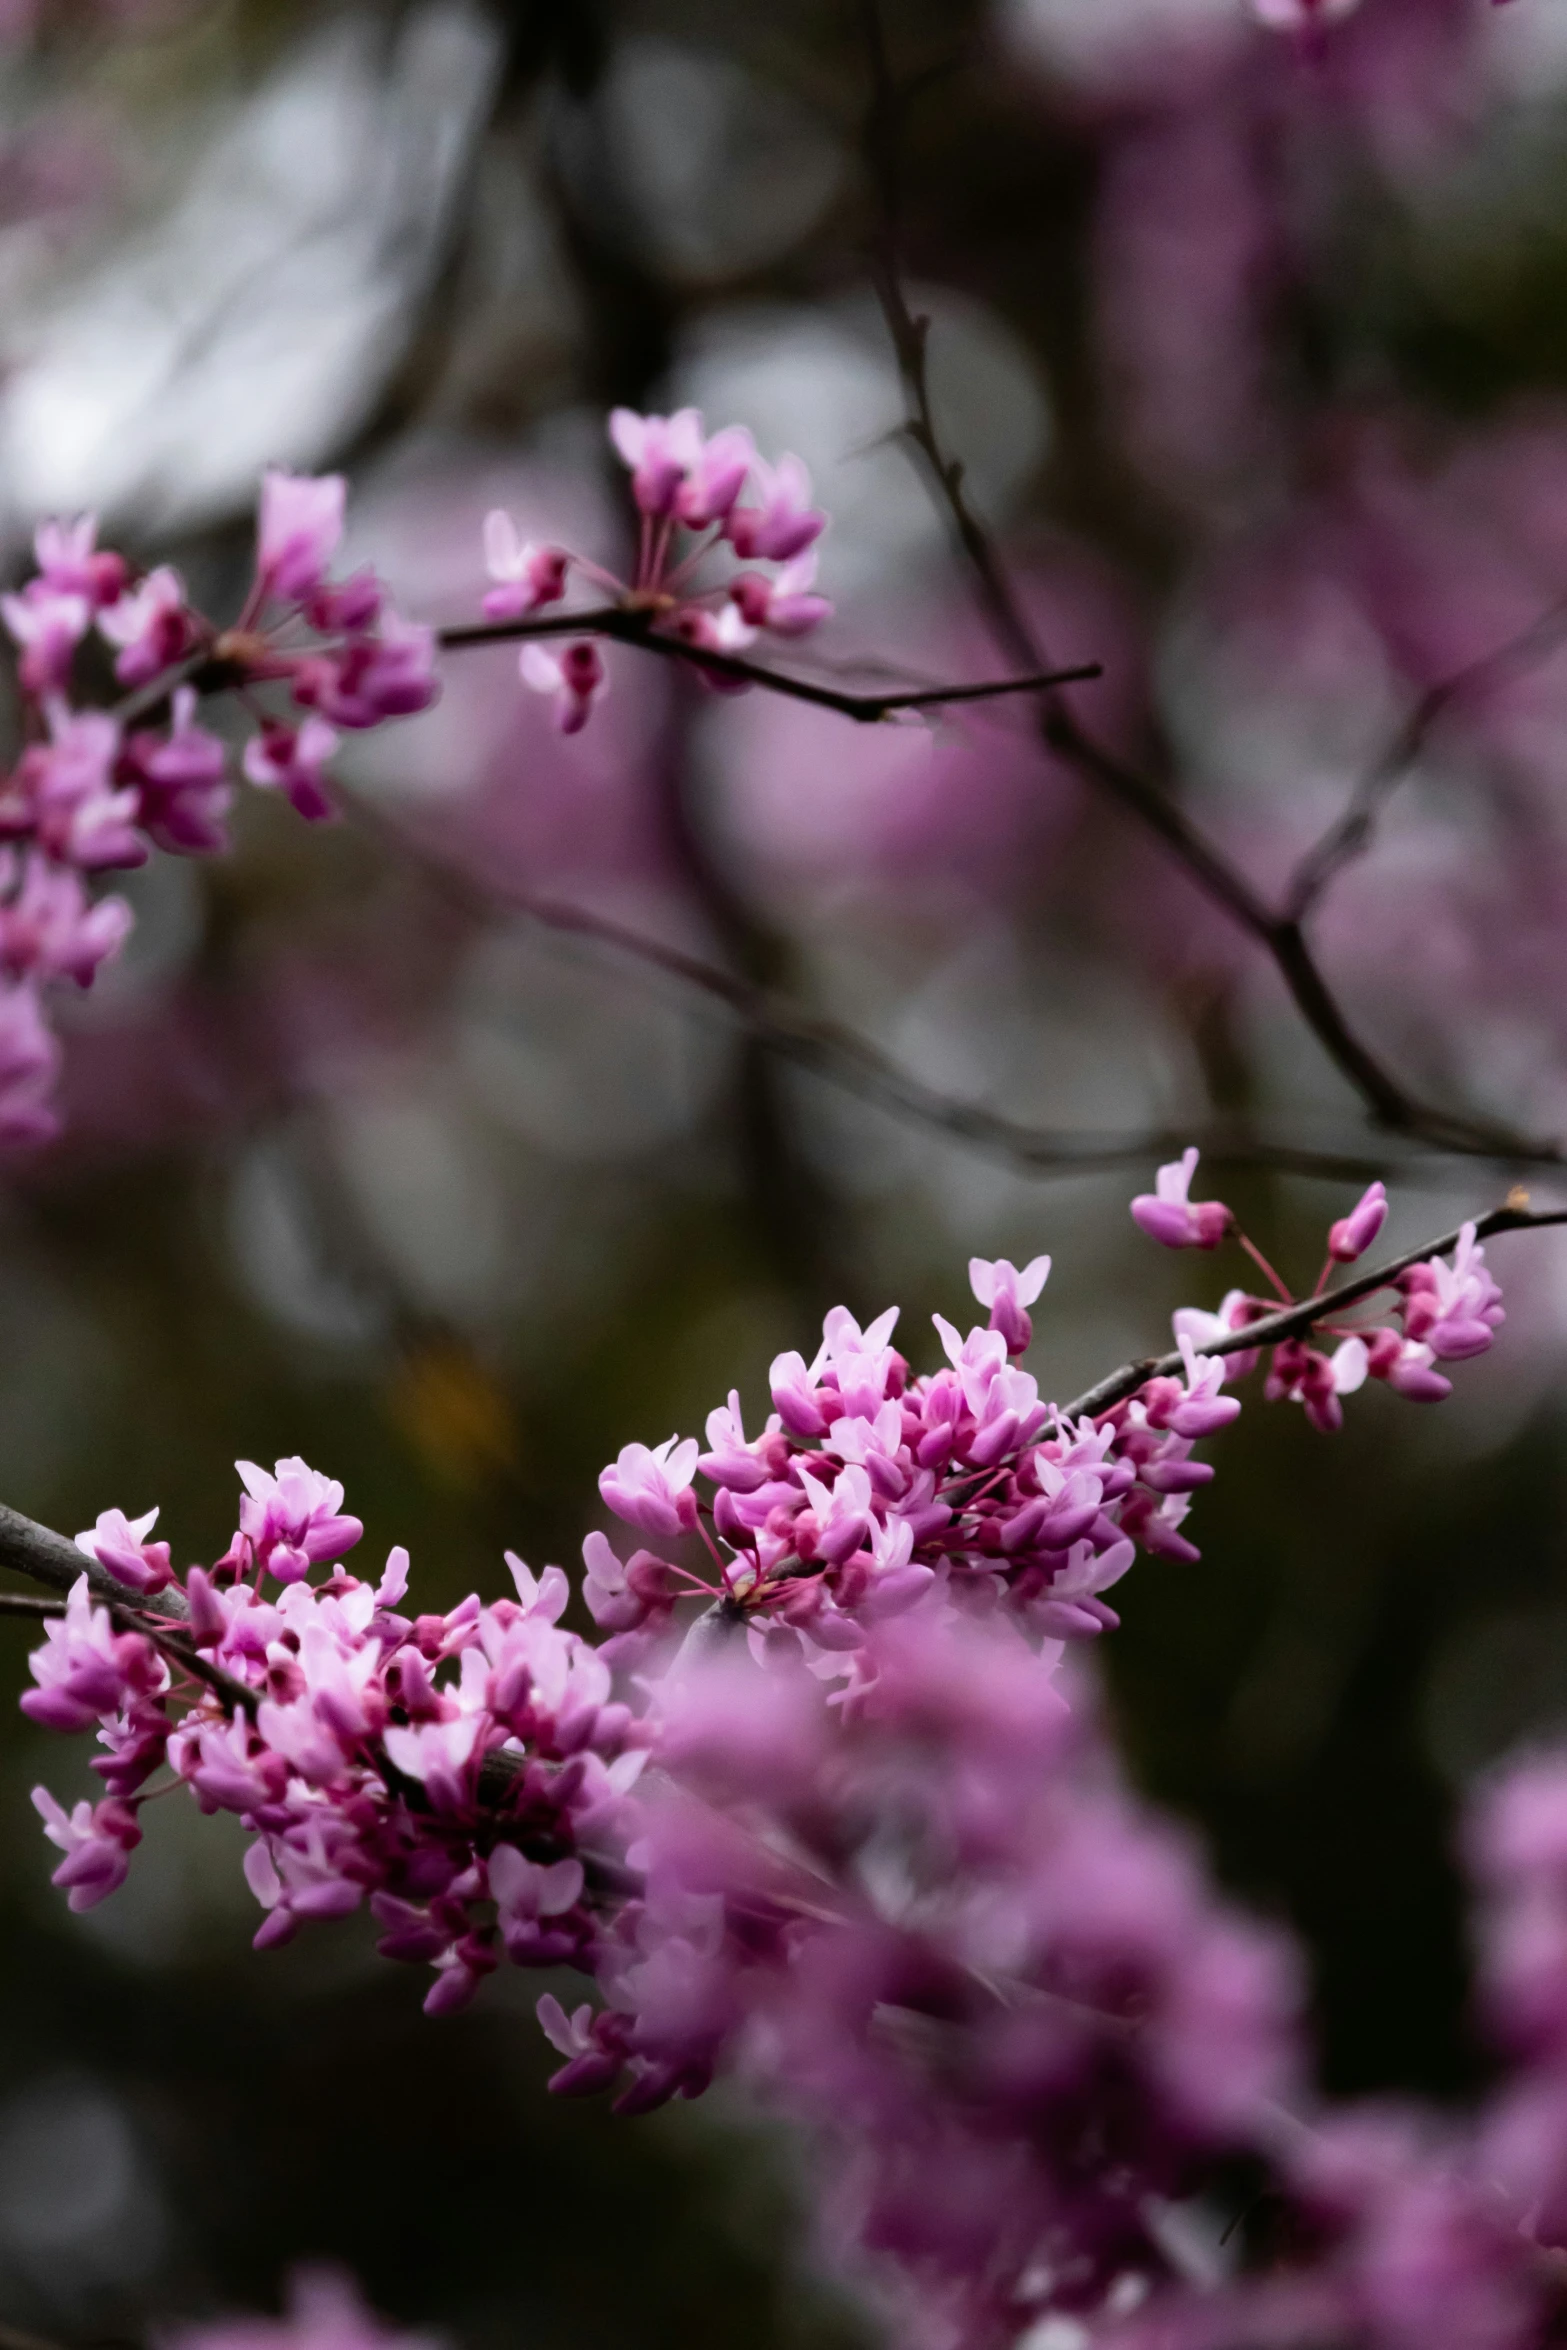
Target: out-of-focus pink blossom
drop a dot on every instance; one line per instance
(151, 625)
(324, 2311)
(181, 780)
(48, 623)
(293, 760)
(527, 576)
(788, 604)
(49, 929)
(299, 531)
(784, 523)
(71, 561)
(575, 678)
(370, 678)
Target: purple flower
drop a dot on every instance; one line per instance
(294, 1518)
(120, 1545)
(1009, 1293)
(85, 1668)
(785, 522)
(390, 674)
(1454, 1309)
(97, 1840)
(299, 531)
(51, 930)
(651, 1487)
(788, 604)
(151, 625)
(576, 677)
(527, 576)
(1167, 1214)
(293, 760)
(324, 2312)
(69, 559)
(48, 623)
(184, 796)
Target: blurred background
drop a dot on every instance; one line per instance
(1256, 355)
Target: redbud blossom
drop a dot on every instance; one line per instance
(1167, 1214)
(527, 576)
(299, 531)
(575, 677)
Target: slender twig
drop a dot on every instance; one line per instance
(1291, 1321)
(1279, 933)
(1350, 835)
(630, 627)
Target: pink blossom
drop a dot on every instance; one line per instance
(324, 2311)
(787, 605)
(120, 1544)
(294, 1518)
(1236, 1311)
(651, 1487)
(50, 929)
(785, 523)
(390, 674)
(1009, 1293)
(97, 1840)
(1454, 1309)
(299, 531)
(576, 677)
(528, 576)
(48, 624)
(676, 470)
(29, 1065)
(1167, 1213)
(65, 791)
(184, 796)
(85, 1668)
(1300, 16)
(71, 563)
(151, 625)
(714, 476)
(293, 760)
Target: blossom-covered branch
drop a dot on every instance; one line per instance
(869, 1848)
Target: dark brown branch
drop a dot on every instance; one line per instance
(1292, 1321)
(630, 627)
(846, 1059)
(1280, 933)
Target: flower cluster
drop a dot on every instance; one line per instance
(879, 1865)
(695, 493)
(1441, 1312)
(870, 1491)
(94, 790)
(351, 1739)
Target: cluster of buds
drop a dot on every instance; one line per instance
(695, 493)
